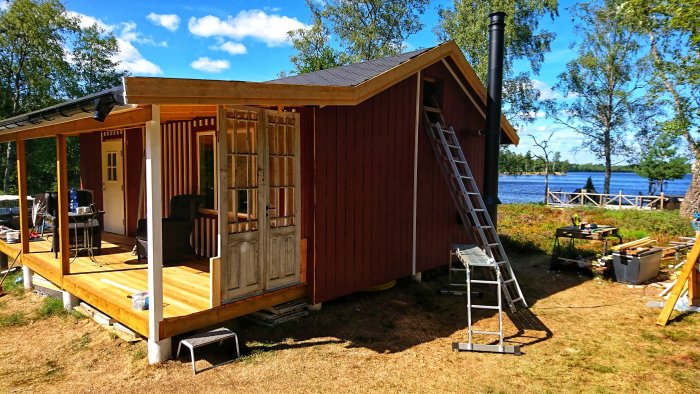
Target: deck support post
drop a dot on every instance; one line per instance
(27, 278)
(64, 230)
(159, 349)
(69, 301)
(22, 191)
(418, 277)
(315, 307)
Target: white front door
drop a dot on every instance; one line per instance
(113, 186)
(263, 202)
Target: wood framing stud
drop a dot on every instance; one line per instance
(22, 191)
(62, 176)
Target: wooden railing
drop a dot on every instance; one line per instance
(610, 201)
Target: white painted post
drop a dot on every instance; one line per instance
(159, 349)
(69, 301)
(27, 278)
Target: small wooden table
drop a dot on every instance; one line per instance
(598, 234)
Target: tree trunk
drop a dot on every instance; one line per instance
(691, 202)
(8, 167)
(546, 181)
(608, 162)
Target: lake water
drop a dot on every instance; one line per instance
(530, 188)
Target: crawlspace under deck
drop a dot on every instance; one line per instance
(116, 274)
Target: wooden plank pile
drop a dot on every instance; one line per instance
(635, 247)
(278, 314)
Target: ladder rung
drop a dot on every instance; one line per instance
(517, 299)
(452, 146)
(492, 245)
(432, 109)
(494, 307)
(486, 282)
(486, 332)
(509, 280)
(459, 161)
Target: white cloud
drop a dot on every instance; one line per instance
(86, 21)
(546, 91)
(168, 21)
(230, 47)
(129, 33)
(211, 66)
(256, 24)
(130, 59)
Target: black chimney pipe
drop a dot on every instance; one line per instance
(493, 112)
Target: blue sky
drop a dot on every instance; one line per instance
(245, 40)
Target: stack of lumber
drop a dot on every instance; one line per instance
(278, 314)
(635, 247)
(684, 244)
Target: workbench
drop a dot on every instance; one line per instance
(572, 233)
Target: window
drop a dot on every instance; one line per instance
(206, 168)
(112, 166)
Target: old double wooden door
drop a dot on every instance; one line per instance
(263, 197)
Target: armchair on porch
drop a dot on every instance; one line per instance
(177, 229)
(50, 218)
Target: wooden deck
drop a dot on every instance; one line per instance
(107, 283)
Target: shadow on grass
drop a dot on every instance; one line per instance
(411, 314)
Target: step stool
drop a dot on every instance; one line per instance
(207, 338)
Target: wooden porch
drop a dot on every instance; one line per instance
(108, 282)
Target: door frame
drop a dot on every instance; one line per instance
(111, 139)
(264, 227)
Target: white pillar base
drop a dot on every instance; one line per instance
(27, 278)
(417, 277)
(315, 307)
(159, 351)
(69, 301)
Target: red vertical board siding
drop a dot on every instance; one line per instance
(364, 190)
(437, 220)
(306, 161)
(91, 165)
(134, 164)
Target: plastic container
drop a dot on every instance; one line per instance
(139, 300)
(73, 200)
(635, 269)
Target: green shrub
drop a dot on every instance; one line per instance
(13, 320)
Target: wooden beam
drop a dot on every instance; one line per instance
(694, 287)
(22, 191)
(62, 177)
(222, 238)
(123, 119)
(214, 282)
(154, 215)
(414, 233)
(141, 90)
(178, 325)
(689, 266)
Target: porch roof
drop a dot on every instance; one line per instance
(348, 85)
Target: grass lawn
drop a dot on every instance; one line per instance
(604, 337)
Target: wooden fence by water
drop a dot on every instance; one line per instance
(610, 201)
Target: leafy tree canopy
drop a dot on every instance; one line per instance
(45, 58)
(467, 24)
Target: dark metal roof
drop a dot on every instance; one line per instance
(352, 74)
(65, 109)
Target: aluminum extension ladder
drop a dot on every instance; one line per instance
(475, 217)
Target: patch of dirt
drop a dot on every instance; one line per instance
(399, 340)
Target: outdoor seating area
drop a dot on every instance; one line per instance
(177, 229)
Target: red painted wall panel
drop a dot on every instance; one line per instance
(90, 165)
(437, 218)
(133, 155)
(364, 190)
